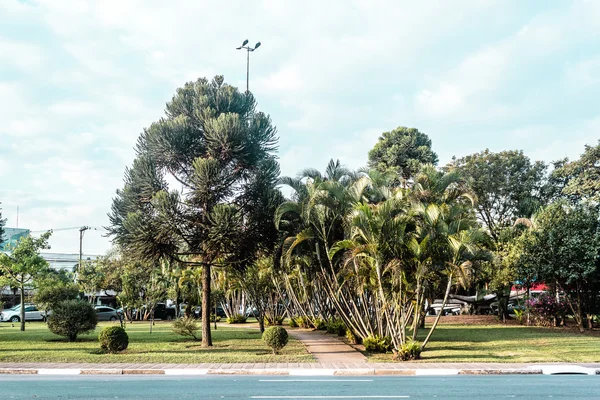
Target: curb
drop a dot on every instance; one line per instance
(546, 370)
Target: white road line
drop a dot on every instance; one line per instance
(59, 371)
(329, 397)
(316, 380)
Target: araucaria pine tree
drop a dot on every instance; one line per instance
(219, 150)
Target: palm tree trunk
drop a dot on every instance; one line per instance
(206, 337)
(22, 297)
(437, 318)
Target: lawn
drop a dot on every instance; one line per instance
(506, 343)
(231, 345)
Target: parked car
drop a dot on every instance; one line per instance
(14, 314)
(161, 311)
(107, 313)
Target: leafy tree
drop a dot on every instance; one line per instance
(507, 185)
(580, 179)
(91, 278)
(54, 287)
(562, 248)
(71, 318)
(2, 223)
(403, 151)
(23, 265)
(215, 144)
(257, 283)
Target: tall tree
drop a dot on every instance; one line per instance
(403, 151)
(23, 265)
(562, 248)
(507, 185)
(579, 179)
(219, 149)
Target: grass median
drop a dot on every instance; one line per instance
(506, 344)
(231, 345)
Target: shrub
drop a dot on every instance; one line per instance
(351, 337)
(278, 320)
(215, 318)
(275, 337)
(320, 324)
(337, 327)
(377, 344)
(293, 323)
(410, 350)
(546, 311)
(113, 339)
(70, 318)
(303, 322)
(235, 319)
(187, 326)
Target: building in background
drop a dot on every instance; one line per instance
(11, 237)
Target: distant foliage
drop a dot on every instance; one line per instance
(113, 339)
(47, 296)
(275, 337)
(187, 326)
(71, 318)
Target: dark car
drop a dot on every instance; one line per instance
(161, 311)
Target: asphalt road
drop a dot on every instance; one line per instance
(284, 388)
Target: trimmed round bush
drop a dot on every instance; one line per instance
(70, 318)
(275, 337)
(113, 339)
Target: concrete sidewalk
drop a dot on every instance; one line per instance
(327, 348)
(299, 369)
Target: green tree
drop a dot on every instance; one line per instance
(403, 151)
(54, 287)
(562, 249)
(578, 180)
(2, 223)
(507, 185)
(23, 265)
(215, 144)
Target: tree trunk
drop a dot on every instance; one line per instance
(22, 308)
(206, 338)
(437, 318)
(261, 322)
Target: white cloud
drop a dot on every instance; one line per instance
(21, 55)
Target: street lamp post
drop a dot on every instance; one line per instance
(248, 50)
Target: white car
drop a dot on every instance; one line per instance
(14, 314)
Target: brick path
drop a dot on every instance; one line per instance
(328, 348)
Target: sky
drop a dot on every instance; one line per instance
(79, 81)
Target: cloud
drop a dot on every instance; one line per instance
(24, 56)
(80, 81)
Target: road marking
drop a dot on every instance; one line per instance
(330, 397)
(316, 380)
(59, 371)
(436, 372)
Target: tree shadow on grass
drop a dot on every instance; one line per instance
(78, 340)
(482, 335)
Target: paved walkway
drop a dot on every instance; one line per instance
(327, 348)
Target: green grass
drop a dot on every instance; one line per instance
(506, 343)
(231, 345)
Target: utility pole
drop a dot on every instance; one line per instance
(81, 232)
(248, 50)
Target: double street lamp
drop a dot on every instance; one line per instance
(248, 50)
